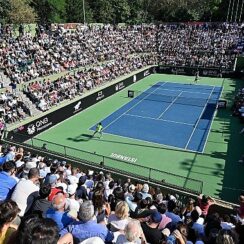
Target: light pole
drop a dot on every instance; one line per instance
(84, 12)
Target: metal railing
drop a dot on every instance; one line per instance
(143, 172)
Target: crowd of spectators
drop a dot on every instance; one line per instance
(209, 46)
(46, 94)
(45, 200)
(26, 57)
(12, 108)
(110, 51)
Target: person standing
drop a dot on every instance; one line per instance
(196, 77)
(99, 129)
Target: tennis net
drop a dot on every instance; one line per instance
(157, 97)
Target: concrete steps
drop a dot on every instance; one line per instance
(5, 81)
(29, 104)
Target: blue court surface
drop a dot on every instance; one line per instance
(170, 114)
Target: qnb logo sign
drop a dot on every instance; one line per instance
(119, 86)
(39, 125)
(100, 96)
(210, 73)
(31, 129)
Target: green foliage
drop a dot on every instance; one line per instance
(114, 11)
(43, 9)
(58, 12)
(103, 11)
(75, 13)
(121, 11)
(21, 12)
(4, 9)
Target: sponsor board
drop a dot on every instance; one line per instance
(214, 72)
(77, 107)
(146, 73)
(119, 86)
(100, 96)
(38, 126)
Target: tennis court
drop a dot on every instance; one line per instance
(215, 165)
(172, 114)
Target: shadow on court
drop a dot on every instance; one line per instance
(86, 137)
(80, 138)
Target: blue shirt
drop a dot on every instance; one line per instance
(2, 160)
(84, 230)
(61, 218)
(7, 184)
(10, 156)
(175, 218)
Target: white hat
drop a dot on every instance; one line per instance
(145, 188)
(173, 198)
(73, 180)
(63, 185)
(19, 163)
(71, 189)
(132, 188)
(90, 172)
(28, 166)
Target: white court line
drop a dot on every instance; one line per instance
(199, 119)
(164, 89)
(169, 105)
(177, 82)
(212, 121)
(132, 107)
(165, 120)
(118, 108)
(163, 146)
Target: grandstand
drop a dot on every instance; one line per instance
(168, 148)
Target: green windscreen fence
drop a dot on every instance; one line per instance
(146, 173)
(240, 64)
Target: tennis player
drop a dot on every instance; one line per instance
(196, 77)
(99, 129)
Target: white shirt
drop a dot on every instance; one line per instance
(21, 193)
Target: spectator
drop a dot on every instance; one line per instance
(7, 181)
(57, 212)
(22, 194)
(132, 234)
(87, 226)
(120, 218)
(144, 192)
(41, 204)
(227, 237)
(8, 212)
(170, 212)
(150, 228)
(72, 204)
(205, 202)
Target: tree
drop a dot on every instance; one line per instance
(4, 8)
(58, 11)
(21, 12)
(103, 11)
(75, 13)
(43, 9)
(121, 11)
